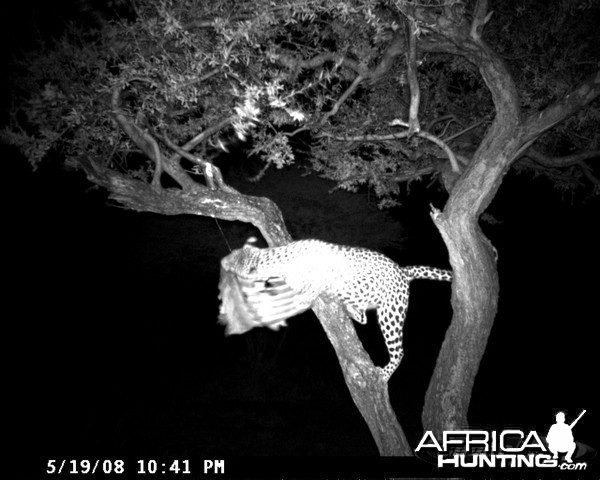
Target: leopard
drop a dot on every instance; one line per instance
(263, 287)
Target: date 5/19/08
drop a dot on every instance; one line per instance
(116, 467)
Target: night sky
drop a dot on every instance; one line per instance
(114, 347)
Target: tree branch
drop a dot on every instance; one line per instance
(342, 99)
(364, 138)
(539, 122)
(408, 176)
(149, 147)
(202, 136)
(589, 174)
(396, 136)
(536, 160)
(142, 197)
(444, 147)
(434, 139)
(480, 18)
(212, 173)
(560, 162)
(411, 74)
(142, 139)
(396, 47)
(463, 131)
(293, 62)
(449, 118)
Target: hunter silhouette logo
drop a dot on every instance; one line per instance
(560, 437)
(509, 448)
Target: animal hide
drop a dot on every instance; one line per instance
(255, 302)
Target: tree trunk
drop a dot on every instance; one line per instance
(476, 287)
(474, 301)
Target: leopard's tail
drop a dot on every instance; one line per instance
(430, 273)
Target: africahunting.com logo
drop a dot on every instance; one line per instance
(509, 448)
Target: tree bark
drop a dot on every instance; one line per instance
(142, 197)
(369, 393)
(476, 287)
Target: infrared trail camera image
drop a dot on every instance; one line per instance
(312, 239)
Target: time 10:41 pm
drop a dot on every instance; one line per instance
(150, 467)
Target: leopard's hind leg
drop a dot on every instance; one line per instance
(391, 315)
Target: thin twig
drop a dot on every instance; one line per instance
(342, 99)
(212, 173)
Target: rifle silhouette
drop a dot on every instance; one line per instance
(577, 419)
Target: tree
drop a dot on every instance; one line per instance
(381, 93)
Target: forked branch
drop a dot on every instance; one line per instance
(212, 173)
(142, 139)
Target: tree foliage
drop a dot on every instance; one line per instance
(270, 71)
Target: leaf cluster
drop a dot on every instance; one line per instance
(333, 69)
